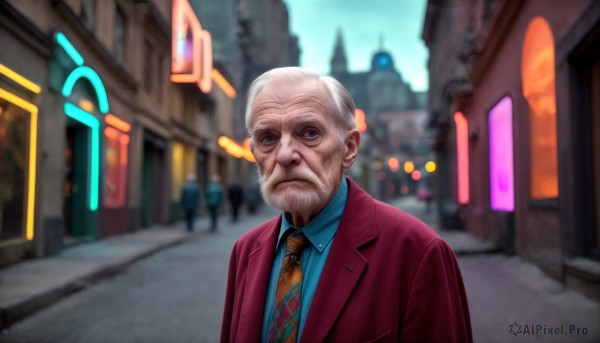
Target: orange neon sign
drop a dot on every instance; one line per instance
(223, 84)
(235, 150)
(191, 50)
(113, 120)
(361, 122)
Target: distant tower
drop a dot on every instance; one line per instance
(338, 61)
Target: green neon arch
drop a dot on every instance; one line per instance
(90, 121)
(92, 76)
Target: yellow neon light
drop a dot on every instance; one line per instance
(86, 105)
(20, 79)
(235, 150)
(223, 84)
(116, 122)
(31, 108)
(409, 167)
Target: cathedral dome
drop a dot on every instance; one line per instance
(382, 61)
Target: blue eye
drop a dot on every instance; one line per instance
(311, 133)
(268, 139)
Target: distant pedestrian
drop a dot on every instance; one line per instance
(235, 193)
(190, 200)
(214, 199)
(254, 198)
(424, 193)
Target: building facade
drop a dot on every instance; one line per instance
(513, 120)
(105, 107)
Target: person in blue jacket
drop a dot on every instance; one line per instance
(214, 199)
(190, 200)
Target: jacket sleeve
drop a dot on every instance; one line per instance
(226, 327)
(437, 308)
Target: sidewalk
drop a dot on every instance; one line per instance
(462, 243)
(34, 284)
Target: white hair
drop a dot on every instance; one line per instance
(342, 105)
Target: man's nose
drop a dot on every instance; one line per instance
(287, 152)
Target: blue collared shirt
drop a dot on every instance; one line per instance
(319, 232)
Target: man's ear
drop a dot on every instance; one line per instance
(351, 145)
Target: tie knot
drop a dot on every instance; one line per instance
(295, 244)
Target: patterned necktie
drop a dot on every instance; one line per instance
(286, 310)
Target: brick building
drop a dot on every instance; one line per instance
(514, 121)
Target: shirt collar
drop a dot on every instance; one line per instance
(320, 230)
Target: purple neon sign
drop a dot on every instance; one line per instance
(502, 190)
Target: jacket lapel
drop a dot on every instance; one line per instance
(260, 261)
(344, 267)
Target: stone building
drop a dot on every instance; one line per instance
(514, 120)
(96, 132)
(395, 118)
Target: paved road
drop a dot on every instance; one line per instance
(503, 290)
(177, 296)
(174, 296)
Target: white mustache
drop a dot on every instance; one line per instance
(296, 174)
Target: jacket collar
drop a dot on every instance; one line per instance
(341, 273)
(345, 264)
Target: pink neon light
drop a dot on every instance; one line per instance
(502, 194)
(462, 157)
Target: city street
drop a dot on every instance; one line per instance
(177, 295)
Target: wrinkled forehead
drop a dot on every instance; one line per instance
(281, 95)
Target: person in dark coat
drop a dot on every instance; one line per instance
(235, 193)
(190, 200)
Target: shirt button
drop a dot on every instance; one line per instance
(320, 245)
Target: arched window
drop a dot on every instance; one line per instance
(539, 89)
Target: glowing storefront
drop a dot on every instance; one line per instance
(18, 156)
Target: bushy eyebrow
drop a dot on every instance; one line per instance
(309, 120)
(305, 120)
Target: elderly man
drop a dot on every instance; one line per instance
(336, 265)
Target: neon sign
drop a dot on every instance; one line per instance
(361, 122)
(502, 194)
(236, 150)
(191, 50)
(83, 116)
(33, 110)
(462, 157)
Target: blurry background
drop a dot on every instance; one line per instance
(478, 116)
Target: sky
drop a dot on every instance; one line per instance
(363, 22)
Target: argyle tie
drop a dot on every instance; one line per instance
(286, 310)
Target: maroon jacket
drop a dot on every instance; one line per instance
(388, 278)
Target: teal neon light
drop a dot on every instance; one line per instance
(62, 40)
(89, 120)
(92, 76)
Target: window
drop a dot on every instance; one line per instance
(149, 69)
(116, 167)
(120, 35)
(539, 89)
(14, 137)
(462, 157)
(502, 194)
